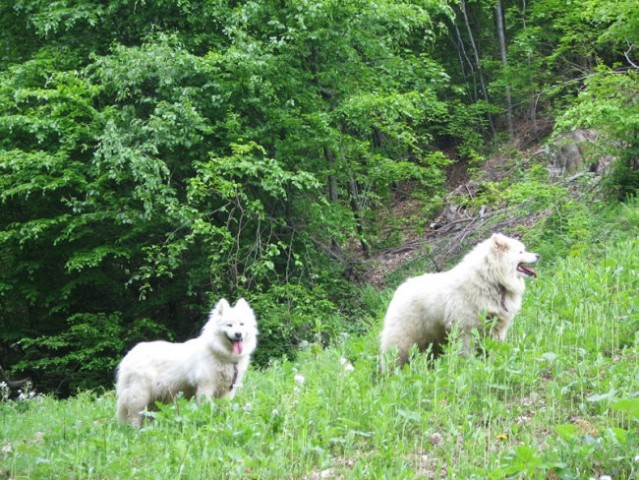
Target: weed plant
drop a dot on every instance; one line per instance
(558, 400)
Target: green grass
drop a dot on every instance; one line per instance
(558, 400)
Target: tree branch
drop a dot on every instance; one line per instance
(627, 55)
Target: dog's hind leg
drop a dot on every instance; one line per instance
(130, 406)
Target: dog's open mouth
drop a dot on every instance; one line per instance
(238, 346)
(526, 270)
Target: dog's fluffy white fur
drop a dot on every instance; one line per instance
(487, 285)
(211, 365)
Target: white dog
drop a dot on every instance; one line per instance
(487, 285)
(211, 365)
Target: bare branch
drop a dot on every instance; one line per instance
(627, 55)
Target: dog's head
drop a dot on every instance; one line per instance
(234, 328)
(513, 256)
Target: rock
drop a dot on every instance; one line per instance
(567, 153)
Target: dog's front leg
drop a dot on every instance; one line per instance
(501, 328)
(204, 393)
(466, 338)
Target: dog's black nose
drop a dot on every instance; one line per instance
(238, 336)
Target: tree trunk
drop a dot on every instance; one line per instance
(332, 182)
(473, 45)
(501, 34)
(332, 194)
(533, 96)
(357, 212)
(353, 193)
(464, 60)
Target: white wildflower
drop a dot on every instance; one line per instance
(299, 380)
(348, 366)
(147, 413)
(7, 448)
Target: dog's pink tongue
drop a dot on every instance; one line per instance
(237, 347)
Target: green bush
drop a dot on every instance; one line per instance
(84, 355)
(292, 316)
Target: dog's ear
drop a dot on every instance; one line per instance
(500, 242)
(243, 305)
(220, 307)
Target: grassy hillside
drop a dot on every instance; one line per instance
(557, 400)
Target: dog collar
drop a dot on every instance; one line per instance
(502, 291)
(235, 373)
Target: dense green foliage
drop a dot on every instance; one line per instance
(155, 156)
(556, 401)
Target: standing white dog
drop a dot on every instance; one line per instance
(211, 365)
(488, 284)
